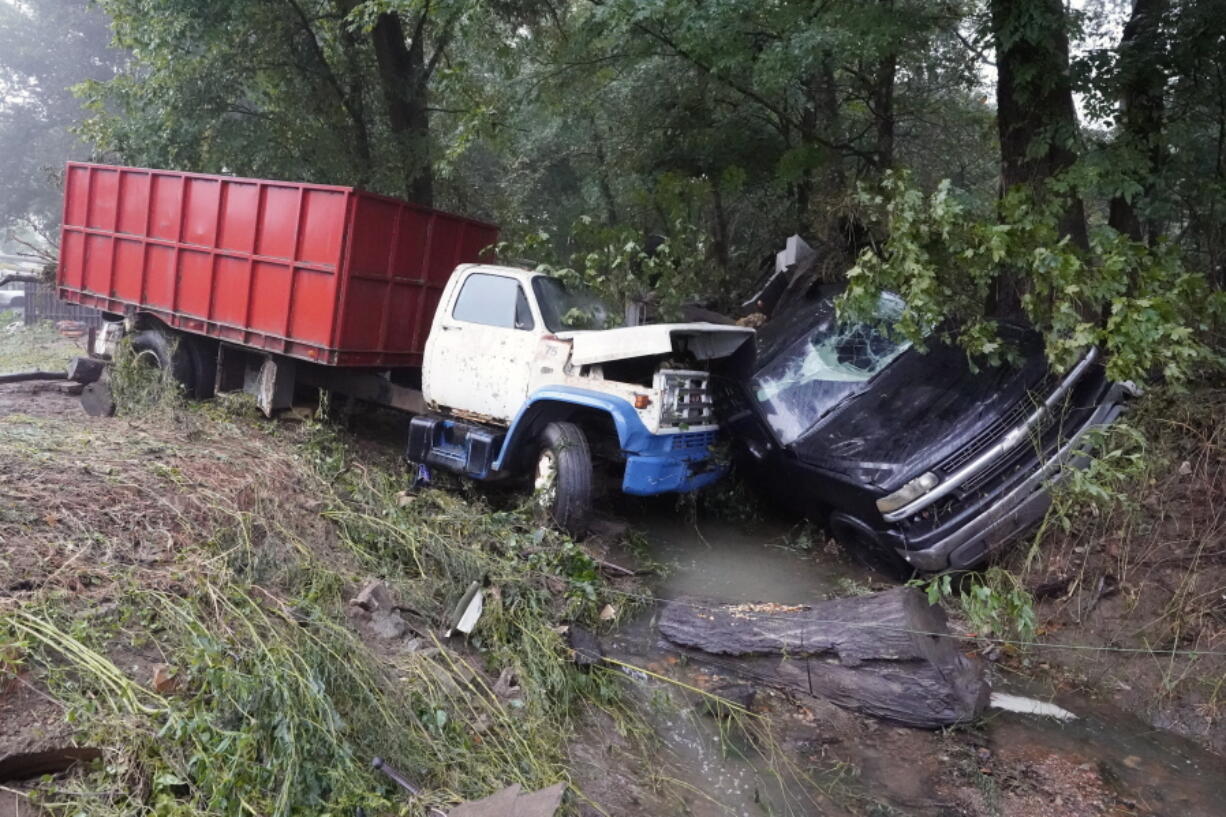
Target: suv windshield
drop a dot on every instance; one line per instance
(828, 362)
(563, 308)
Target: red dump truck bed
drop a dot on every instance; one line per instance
(329, 274)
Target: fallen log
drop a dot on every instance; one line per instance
(887, 654)
(85, 369)
(23, 377)
(97, 400)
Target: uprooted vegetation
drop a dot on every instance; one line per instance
(176, 586)
(180, 590)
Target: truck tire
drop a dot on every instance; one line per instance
(562, 479)
(204, 365)
(169, 353)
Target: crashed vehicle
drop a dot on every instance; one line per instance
(913, 461)
(274, 288)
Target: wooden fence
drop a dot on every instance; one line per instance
(43, 305)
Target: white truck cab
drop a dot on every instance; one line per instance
(512, 386)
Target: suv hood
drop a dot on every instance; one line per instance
(918, 411)
(705, 341)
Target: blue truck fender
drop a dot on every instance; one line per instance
(631, 433)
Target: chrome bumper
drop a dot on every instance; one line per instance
(1015, 437)
(1021, 507)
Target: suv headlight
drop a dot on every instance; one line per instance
(908, 493)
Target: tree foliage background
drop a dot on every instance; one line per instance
(989, 159)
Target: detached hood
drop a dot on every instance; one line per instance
(705, 341)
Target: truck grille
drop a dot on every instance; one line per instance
(686, 398)
(1013, 417)
(694, 441)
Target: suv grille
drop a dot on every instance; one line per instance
(1011, 419)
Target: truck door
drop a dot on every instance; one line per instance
(479, 352)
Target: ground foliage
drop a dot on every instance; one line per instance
(218, 667)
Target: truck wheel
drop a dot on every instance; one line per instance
(155, 348)
(563, 478)
(203, 352)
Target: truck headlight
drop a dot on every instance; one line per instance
(908, 493)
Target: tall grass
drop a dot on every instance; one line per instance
(278, 702)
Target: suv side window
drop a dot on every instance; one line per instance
(493, 300)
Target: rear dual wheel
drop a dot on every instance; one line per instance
(191, 362)
(562, 479)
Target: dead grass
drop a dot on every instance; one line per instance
(29, 348)
(224, 551)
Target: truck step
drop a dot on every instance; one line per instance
(465, 448)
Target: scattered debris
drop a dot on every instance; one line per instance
(23, 377)
(1029, 706)
(388, 625)
(374, 603)
(374, 596)
(506, 685)
(401, 781)
(164, 679)
(512, 802)
(71, 329)
(97, 400)
(464, 617)
(26, 765)
(585, 645)
(508, 802)
(608, 612)
(85, 369)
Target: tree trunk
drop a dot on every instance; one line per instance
(1142, 108)
(886, 654)
(350, 102)
(720, 227)
(883, 103)
(820, 118)
(1035, 116)
(883, 106)
(403, 76)
(602, 175)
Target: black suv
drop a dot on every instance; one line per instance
(913, 461)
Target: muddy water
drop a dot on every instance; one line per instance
(805, 758)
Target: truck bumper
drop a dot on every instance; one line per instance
(1020, 507)
(672, 463)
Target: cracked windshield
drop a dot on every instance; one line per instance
(835, 351)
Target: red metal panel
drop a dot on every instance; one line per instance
(320, 272)
(164, 208)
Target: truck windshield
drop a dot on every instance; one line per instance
(564, 308)
(828, 362)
